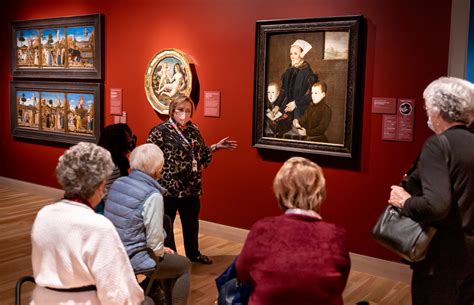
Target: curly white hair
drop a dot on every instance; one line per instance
(82, 168)
(452, 97)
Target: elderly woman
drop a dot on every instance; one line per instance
(296, 258)
(135, 206)
(77, 254)
(440, 193)
(186, 155)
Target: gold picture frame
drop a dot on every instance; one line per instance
(168, 74)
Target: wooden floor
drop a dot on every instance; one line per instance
(17, 212)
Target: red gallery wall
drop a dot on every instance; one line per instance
(406, 48)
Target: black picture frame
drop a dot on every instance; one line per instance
(58, 112)
(58, 48)
(333, 57)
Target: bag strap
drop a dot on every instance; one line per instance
(446, 147)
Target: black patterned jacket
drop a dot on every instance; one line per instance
(177, 175)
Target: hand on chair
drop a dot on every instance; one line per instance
(168, 250)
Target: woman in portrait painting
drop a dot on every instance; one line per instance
(296, 85)
(177, 83)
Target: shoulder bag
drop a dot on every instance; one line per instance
(400, 233)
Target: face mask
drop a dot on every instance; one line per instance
(103, 192)
(430, 124)
(181, 117)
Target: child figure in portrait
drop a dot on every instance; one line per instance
(272, 107)
(315, 121)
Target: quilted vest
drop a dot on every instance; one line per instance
(124, 207)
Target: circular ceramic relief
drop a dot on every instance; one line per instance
(168, 75)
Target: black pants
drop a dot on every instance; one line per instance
(446, 276)
(188, 208)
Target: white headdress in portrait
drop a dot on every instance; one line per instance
(304, 45)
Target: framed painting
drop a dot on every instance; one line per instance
(66, 47)
(168, 75)
(56, 111)
(306, 80)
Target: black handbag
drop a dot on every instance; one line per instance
(230, 290)
(400, 233)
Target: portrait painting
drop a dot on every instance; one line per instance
(168, 75)
(65, 47)
(56, 111)
(305, 85)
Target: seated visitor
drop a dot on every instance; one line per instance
(135, 206)
(119, 140)
(77, 255)
(296, 258)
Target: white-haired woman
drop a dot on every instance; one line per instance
(77, 256)
(135, 206)
(440, 193)
(296, 258)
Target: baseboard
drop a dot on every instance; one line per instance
(379, 267)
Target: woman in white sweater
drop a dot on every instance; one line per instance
(78, 257)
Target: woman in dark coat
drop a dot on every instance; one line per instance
(444, 177)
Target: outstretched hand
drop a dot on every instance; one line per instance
(226, 143)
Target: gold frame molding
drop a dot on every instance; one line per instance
(160, 89)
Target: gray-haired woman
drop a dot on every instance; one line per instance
(77, 254)
(440, 193)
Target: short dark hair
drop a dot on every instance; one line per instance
(115, 138)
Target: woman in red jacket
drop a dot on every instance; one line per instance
(296, 258)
